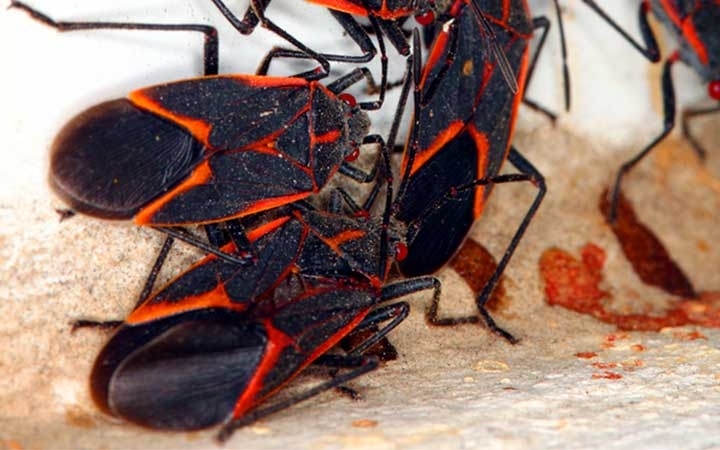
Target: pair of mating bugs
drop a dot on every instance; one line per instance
(279, 291)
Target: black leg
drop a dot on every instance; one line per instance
(527, 173)
(396, 313)
(668, 92)
(256, 15)
(243, 257)
(65, 214)
(249, 22)
(687, 116)
(353, 77)
(155, 271)
(210, 49)
(102, 325)
(412, 71)
(563, 50)
(353, 30)
(650, 50)
(544, 24)
(144, 294)
(536, 178)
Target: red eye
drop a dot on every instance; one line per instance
(714, 89)
(401, 252)
(353, 155)
(348, 99)
(425, 18)
(362, 214)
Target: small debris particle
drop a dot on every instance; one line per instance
(10, 444)
(586, 355)
(703, 246)
(490, 366)
(616, 337)
(260, 429)
(632, 364)
(364, 423)
(638, 348)
(79, 418)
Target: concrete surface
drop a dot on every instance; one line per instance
(451, 388)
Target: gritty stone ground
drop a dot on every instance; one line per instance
(572, 382)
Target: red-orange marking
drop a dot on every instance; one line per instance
(437, 51)
(423, 155)
(334, 242)
(602, 365)
(256, 233)
(606, 375)
(270, 203)
(359, 10)
(482, 147)
(689, 335)
(199, 129)
(687, 28)
(201, 175)
(612, 337)
(270, 81)
(573, 284)
(216, 298)
(276, 342)
(327, 138)
(248, 399)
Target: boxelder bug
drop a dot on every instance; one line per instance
(298, 239)
(463, 126)
(187, 153)
(211, 366)
(696, 25)
(237, 338)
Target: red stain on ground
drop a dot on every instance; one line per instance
(571, 283)
(606, 375)
(574, 284)
(476, 265)
(646, 253)
(689, 335)
(586, 355)
(612, 337)
(602, 365)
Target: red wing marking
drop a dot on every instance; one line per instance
(217, 298)
(358, 10)
(199, 129)
(276, 342)
(424, 155)
(201, 175)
